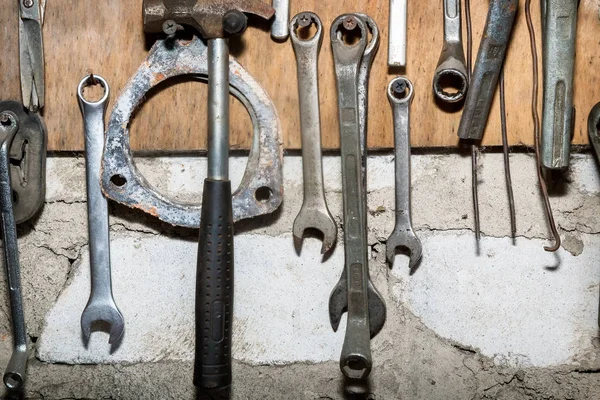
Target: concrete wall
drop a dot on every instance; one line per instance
(506, 320)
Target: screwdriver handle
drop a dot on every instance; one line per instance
(214, 288)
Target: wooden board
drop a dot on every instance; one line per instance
(107, 38)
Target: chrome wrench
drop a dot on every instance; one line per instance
(397, 33)
(400, 94)
(279, 28)
(354, 292)
(492, 50)
(559, 33)
(314, 212)
(14, 376)
(451, 70)
(101, 304)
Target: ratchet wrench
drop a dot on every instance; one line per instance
(14, 376)
(314, 212)
(451, 70)
(355, 291)
(559, 33)
(101, 304)
(400, 94)
(492, 50)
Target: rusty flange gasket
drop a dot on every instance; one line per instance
(123, 183)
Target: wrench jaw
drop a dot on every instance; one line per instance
(338, 302)
(407, 239)
(318, 219)
(102, 311)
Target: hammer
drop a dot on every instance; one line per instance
(216, 21)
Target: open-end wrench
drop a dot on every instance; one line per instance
(400, 94)
(494, 41)
(451, 70)
(397, 33)
(354, 292)
(14, 376)
(559, 33)
(279, 28)
(101, 305)
(314, 212)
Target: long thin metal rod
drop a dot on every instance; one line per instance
(505, 150)
(218, 109)
(475, 178)
(536, 131)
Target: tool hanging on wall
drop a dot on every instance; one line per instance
(482, 85)
(355, 293)
(536, 132)
(594, 135)
(31, 53)
(397, 33)
(451, 71)
(279, 28)
(260, 191)
(400, 93)
(559, 31)
(314, 213)
(101, 304)
(22, 193)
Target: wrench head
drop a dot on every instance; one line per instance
(319, 219)
(102, 311)
(338, 305)
(407, 239)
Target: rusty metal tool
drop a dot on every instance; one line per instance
(354, 292)
(216, 20)
(594, 134)
(451, 71)
(101, 305)
(492, 50)
(22, 194)
(559, 27)
(314, 213)
(400, 95)
(31, 53)
(397, 33)
(280, 27)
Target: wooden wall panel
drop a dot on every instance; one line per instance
(107, 37)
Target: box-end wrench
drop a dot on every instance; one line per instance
(354, 292)
(492, 50)
(400, 94)
(559, 33)
(14, 376)
(397, 33)
(279, 28)
(451, 70)
(101, 304)
(314, 212)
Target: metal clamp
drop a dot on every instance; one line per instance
(261, 189)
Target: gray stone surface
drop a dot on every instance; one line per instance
(509, 322)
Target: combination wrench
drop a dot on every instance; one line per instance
(451, 70)
(400, 94)
(101, 304)
(14, 376)
(354, 292)
(490, 58)
(559, 33)
(314, 212)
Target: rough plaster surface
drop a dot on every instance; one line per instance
(509, 322)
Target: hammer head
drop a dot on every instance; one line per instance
(210, 17)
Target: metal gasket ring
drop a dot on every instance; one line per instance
(260, 191)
